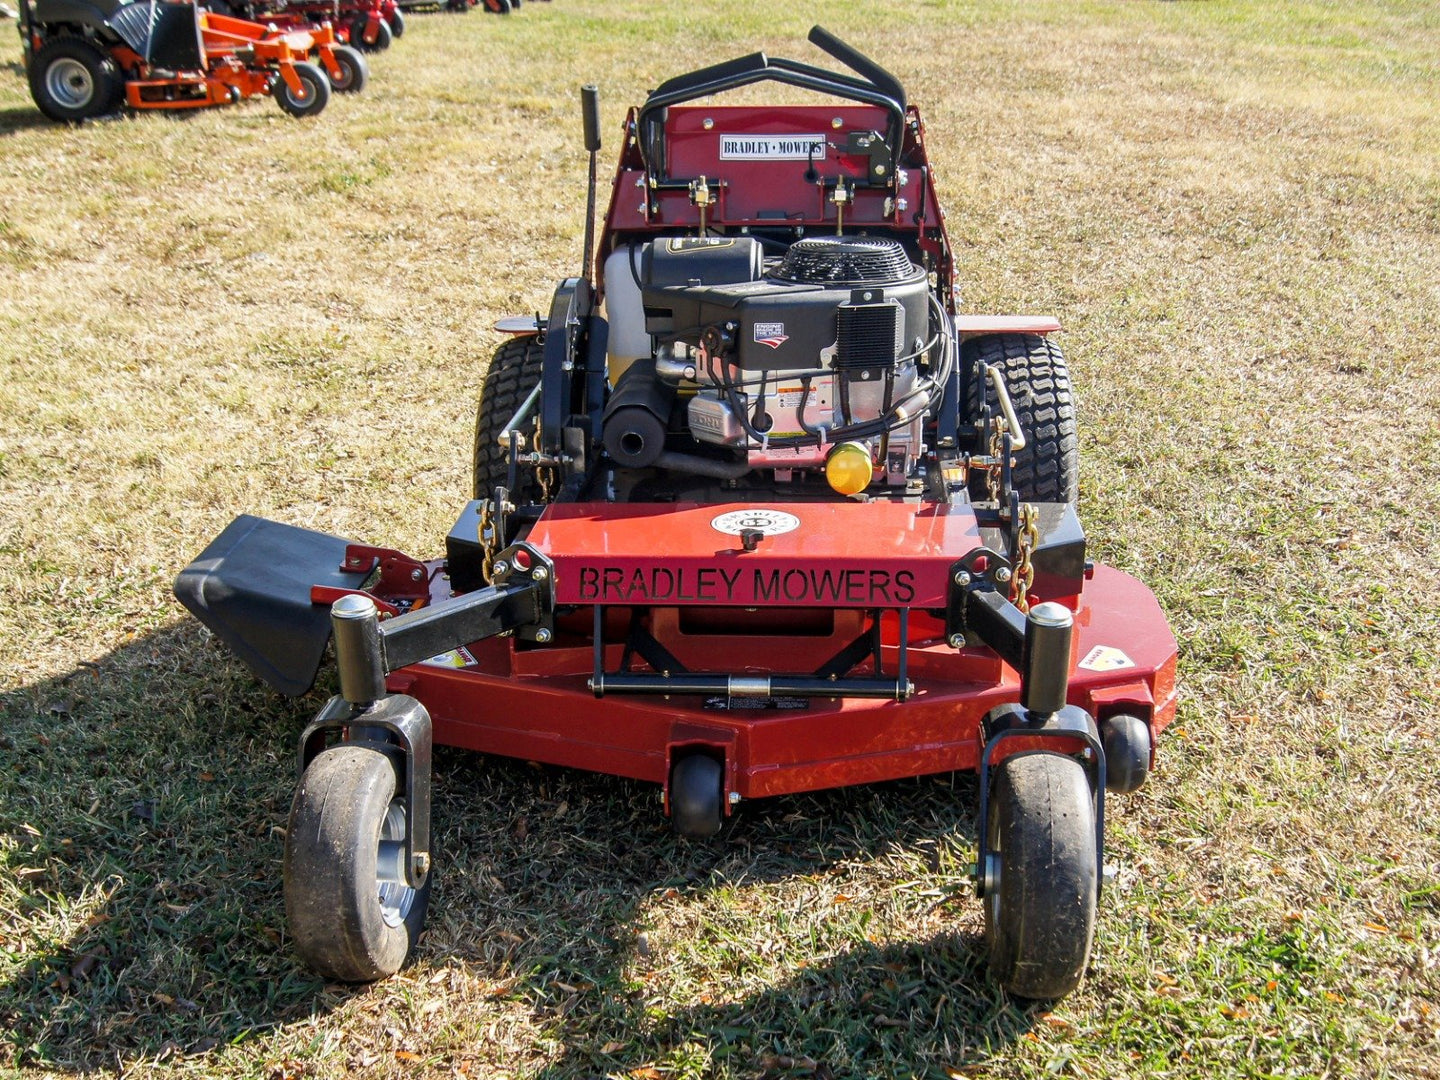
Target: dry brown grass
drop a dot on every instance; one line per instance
(1234, 209)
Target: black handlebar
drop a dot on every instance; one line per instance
(858, 61)
(590, 109)
(876, 86)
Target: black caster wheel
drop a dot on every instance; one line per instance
(1041, 894)
(1127, 742)
(697, 796)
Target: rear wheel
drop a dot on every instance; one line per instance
(397, 24)
(515, 370)
(1040, 915)
(350, 911)
(71, 80)
(1038, 382)
(354, 71)
(314, 91)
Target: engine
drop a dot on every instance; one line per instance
(837, 342)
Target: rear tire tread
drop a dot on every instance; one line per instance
(515, 369)
(1047, 470)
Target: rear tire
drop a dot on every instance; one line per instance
(350, 915)
(73, 80)
(354, 71)
(1040, 918)
(316, 86)
(397, 24)
(515, 370)
(1048, 469)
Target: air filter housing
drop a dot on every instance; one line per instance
(861, 295)
(838, 260)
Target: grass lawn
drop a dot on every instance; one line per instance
(1234, 208)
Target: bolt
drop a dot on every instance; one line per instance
(962, 577)
(709, 123)
(734, 798)
(837, 122)
(1002, 575)
(542, 635)
(422, 863)
(879, 170)
(417, 574)
(539, 574)
(501, 568)
(957, 640)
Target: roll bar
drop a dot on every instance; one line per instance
(875, 86)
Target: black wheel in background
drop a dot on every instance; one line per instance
(357, 35)
(354, 71)
(1038, 381)
(397, 24)
(515, 370)
(72, 79)
(1040, 918)
(351, 915)
(315, 86)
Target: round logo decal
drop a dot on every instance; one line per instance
(768, 522)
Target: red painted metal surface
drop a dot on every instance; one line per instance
(772, 194)
(975, 325)
(876, 554)
(504, 697)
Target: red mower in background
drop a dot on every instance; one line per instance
(87, 59)
(368, 25)
(756, 511)
(495, 7)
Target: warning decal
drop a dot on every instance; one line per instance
(456, 658)
(1105, 658)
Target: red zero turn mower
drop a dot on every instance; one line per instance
(368, 25)
(87, 59)
(756, 512)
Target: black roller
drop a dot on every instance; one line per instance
(634, 437)
(637, 416)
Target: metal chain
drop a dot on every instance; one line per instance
(1023, 575)
(545, 476)
(488, 541)
(997, 449)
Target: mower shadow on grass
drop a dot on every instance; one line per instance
(139, 806)
(831, 930)
(23, 119)
(142, 803)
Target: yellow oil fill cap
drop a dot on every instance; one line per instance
(849, 469)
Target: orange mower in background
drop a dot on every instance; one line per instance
(86, 58)
(368, 25)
